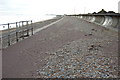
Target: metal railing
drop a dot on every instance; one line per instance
(15, 32)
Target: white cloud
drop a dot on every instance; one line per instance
(36, 7)
(28, 9)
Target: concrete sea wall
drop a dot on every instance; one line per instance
(109, 21)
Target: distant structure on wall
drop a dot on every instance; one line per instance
(119, 7)
(104, 12)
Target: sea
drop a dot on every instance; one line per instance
(12, 19)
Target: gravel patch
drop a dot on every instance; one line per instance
(84, 58)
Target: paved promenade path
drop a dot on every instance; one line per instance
(69, 48)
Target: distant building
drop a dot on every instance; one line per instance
(119, 7)
(102, 12)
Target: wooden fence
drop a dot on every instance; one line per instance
(15, 32)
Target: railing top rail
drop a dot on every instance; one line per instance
(15, 22)
(26, 21)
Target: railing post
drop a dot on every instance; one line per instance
(16, 32)
(22, 30)
(8, 34)
(31, 27)
(27, 29)
(19, 24)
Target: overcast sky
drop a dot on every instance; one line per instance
(38, 7)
